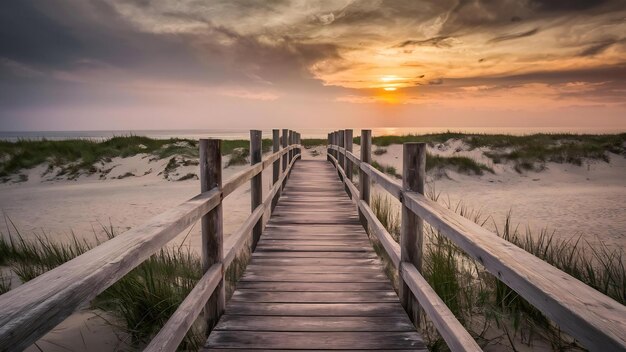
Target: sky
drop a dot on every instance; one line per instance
(139, 64)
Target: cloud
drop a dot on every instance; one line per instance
(512, 36)
(81, 52)
(598, 48)
(246, 94)
(438, 42)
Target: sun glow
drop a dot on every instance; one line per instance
(390, 89)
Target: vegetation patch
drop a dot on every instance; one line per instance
(78, 156)
(128, 174)
(460, 164)
(313, 142)
(380, 151)
(481, 302)
(189, 176)
(387, 169)
(144, 299)
(238, 156)
(525, 151)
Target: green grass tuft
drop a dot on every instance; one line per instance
(78, 156)
(460, 164)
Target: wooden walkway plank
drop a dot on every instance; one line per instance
(314, 281)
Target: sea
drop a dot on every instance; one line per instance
(230, 134)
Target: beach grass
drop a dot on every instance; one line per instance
(77, 156)
(525, 151)
(484, 304)
(460, 164)
(143, 299)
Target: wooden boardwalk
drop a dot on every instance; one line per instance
(314, 281)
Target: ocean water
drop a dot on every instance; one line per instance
(230, 134)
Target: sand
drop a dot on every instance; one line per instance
(588, 200)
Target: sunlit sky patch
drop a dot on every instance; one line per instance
(74, 63)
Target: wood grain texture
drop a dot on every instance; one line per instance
(594, 319)
(256, 183)
(391, 247)
(314, 277)
(455, 335)
(237, 239)
(386, 182)
(176, 327)
(32, 309)
(412, 227)
(212, 241)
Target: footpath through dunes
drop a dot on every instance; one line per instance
(314, 281)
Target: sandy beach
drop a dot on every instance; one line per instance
(587, 200)
(572, 200)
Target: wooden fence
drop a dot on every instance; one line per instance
(34, 308)
(597, 321)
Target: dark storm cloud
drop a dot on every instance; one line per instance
(598, 48)
(512, 36)
(567, 5)
(438, 42)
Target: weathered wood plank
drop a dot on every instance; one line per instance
(30, 310)
(174, 331)
(212, 240)
(314, 271)
(593, 318)
(314, 286)
(308, 254)
(382, 180)
(315, 340)
(317, 309)
(305, 324)
(313, 297)
(391, 247)
(455, 335)
(315, 277)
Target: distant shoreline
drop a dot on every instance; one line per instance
(230, 134)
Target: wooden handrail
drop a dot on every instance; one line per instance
(591, 317)
(457, 338)
(175, 329)
(32, 309)
(595, 319)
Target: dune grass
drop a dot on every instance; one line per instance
(387, 169)
(143, 299)
(481, 302)
(460, 164)
(528, 150)
(78, 156)
(313, 142)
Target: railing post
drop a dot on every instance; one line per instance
(364, 179)
(348, 146)
(341, 144)
(276, 165)
(212, 226)
(335, 143)
(256, 183)
(285, 156)
(298, 142)
(290, 140)
(328, 147)
(412, 229)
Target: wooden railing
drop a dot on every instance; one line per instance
(32, 309)
(592, 318)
